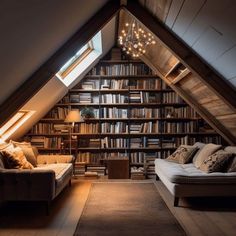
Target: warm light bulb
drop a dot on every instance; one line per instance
(133, 25)
(127, 24)
(144, 51)
(123, 31)
(129, 48)
(153, 42)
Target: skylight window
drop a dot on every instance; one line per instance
(14, 123)
(75, 60)
(82, 59)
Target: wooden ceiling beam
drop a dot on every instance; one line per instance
(46, 71)
(221, 87)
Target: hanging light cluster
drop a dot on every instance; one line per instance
(134, 40)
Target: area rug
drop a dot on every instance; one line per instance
(116, 208)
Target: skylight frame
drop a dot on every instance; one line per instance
(80, 67)
(14, 123)
(74, 63)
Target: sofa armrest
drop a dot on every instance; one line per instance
(27, 185)
(53, 159)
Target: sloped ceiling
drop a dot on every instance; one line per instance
(32, 30)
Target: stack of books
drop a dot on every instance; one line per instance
(91, 175)
(79, 168)
(137, 173)
(99, 169)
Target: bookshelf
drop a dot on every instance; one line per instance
(136, 115)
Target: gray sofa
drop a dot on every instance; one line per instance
(185, 180)
(43, 183)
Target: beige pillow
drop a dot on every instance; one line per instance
(216, 162)
(6, 147)
(27, 150)
(206, 151)
(183, 154)
(15, 159)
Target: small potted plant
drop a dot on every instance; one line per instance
(87, 112)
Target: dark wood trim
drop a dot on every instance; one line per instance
(221, 87)
(46, 71)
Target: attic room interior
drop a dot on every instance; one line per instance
(118, 117)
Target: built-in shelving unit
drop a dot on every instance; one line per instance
(136, 115)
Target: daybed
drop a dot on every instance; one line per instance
(187, 180)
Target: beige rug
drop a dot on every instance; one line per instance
(126, 209)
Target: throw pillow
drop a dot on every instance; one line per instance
(206, 151)
(27, 150)
(6, 147)
(20, 144)
(183, 154)
(200, 147)
(216, 162)
(15, 159)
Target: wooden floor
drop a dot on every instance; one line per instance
(198, 217)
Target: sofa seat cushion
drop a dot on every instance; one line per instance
(62, 171)
(189, 174)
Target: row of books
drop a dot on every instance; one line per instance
(58, 113)
(179, 127)
(121, 69)
(88, 157)
(180, 112)
(114, 98)
(83, 128)
(145, 112)
(144, 97)
(151, 83)
(113, 112)
(44, 142)
(114, 84)
(118, 127)
(171, 97)
(114, 142)
(47, 128)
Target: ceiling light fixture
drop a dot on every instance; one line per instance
(134, 40)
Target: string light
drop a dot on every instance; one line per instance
(134, 40)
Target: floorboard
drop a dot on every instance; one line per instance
(197, 216)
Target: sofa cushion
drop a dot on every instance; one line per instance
(27, 150)
(205, 152)
(61, 171)
(189, 174)
(200, 146)
(15, 159)
(216, 162)
(183, 154)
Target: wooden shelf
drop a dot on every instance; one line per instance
(121, 76)
(161, 142)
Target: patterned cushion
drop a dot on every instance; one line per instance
(183, 154)
(28, 151)
(205, 152)
(216, 162)
(15, 159)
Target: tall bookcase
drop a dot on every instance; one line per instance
(136, 115)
